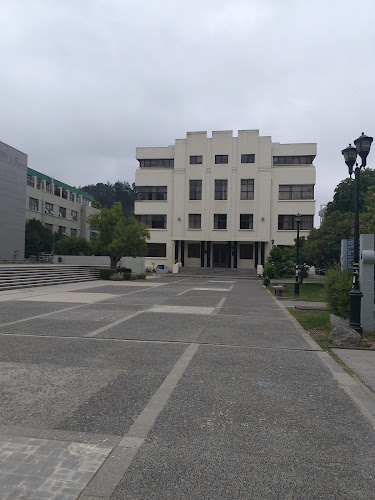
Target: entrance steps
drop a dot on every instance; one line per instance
(13, 277)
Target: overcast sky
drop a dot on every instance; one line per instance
(84, 82)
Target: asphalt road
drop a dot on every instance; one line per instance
(173, 388)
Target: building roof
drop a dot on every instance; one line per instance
(72, 189)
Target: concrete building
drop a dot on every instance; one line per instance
(223, 201)
(13, 166)
(60, 207)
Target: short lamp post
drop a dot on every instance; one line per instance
(362, 148)
(298, 219)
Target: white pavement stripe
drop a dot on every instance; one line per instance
(181, 310)
(115, 323)
(213, 289)
(217, 281)
(219, 306)
(185, 291)
(119, 460)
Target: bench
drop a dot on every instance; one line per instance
(279, 289)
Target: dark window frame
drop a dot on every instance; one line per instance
(248, 158)
(287, 222)
(151, 193)
(293, 160)
(156, 163)
(221, 159)
(194, 250)
(195, 189)
(247, 189)
(160, 250)
(153, 221)
(296, 192)
(221, 189)
(195, 221)
(196, 160)
(246, 221)
(246, 251)
(33, 204)
(220, 221)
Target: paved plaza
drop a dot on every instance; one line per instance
(174, 388)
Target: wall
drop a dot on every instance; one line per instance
(137, 264)
(13, 168)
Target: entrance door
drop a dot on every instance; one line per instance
(220, 255)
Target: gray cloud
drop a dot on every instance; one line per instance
(84, 83)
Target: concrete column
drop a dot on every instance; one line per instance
(366, 282)
(202, 253)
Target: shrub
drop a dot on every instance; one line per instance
(124, 270)
(120, 277)
(337, 285)
(105, 274)
(140, 276)
(268, 271)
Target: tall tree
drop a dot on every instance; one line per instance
(118, 236)
(107, 194)
(343, 199)
(38, 239)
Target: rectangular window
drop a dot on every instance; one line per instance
(293, 160)
(71, 196)
(248, 158)
(85, 201)
(246, 251)
(62, 212)
(74, 214)
(195, 190)
(33, 204)
(154, 193)
(221, 159)
(30, 180)
(156, 249)
(195, 221)
(62, 230)
(64, 194)
(153, 221)
(39, 184)
(48, 208)
(194, 250)
(221, 189)
(296, 192)
(48, 187)
(57, 191)
(157, 162)
(247, 189)
(196, 160)
(73, 232)
(287, 222)
(220, 221)
(246, 221)
(48, 226)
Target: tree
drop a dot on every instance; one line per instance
(343, 199)
(323, 245)
(118, 236)
(38, 238)
(107, 194)
(72, 246)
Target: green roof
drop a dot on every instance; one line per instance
(44, 177)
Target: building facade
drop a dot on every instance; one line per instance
(223, 201)
(13, 166)
(60, 207)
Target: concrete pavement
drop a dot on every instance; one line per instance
(181, 388)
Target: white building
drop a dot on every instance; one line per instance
(223, 201)
(60, 207)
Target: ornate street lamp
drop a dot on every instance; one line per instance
(362, 148)
(298, 219)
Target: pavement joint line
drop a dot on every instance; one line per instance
(363, 401)
(109, 474)
(115, 323)
(159, 341)
(80, 305)
(220, 304)
(185, 291)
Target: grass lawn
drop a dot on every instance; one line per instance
(312, 292)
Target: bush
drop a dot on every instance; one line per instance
(140, 276)
(105, 274)
(124, 270)
(120, 277)
(72, 246)
(337, 285)
(268, 271)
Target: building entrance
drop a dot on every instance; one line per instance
(220, 255)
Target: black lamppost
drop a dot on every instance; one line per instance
(298, 219)
(362, 148)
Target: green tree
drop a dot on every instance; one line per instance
(107, 194)
(38, 239)
(343, 199)
(72, 246)
(323, 246)
(118, 236)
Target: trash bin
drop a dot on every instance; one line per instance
(176, 268)
(162, 269)
(259, 270)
